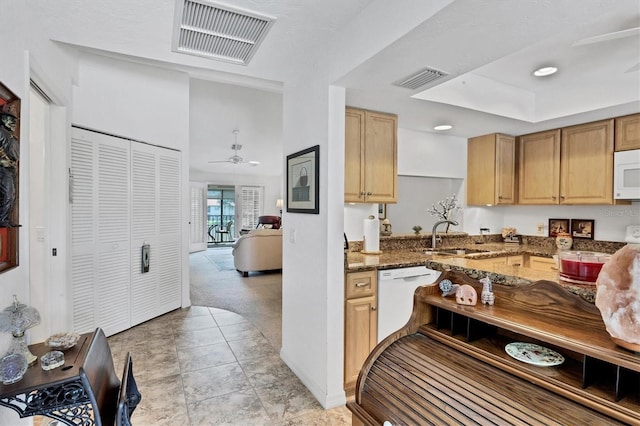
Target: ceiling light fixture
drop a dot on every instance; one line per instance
(545, 71)
(443, 127)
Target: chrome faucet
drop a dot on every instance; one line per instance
(433, 231)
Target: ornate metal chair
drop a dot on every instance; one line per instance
(225, 231)
(129, 396)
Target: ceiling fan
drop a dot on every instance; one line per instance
(630, 32)
(235, 158)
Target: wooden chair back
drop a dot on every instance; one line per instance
(100, 380)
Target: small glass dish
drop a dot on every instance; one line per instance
(62, 341)
(51, 360)
(12, 368)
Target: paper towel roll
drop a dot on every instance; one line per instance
(371, 235)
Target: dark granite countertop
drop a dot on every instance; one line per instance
(474, 265)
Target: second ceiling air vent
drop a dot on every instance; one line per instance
(420, 78)
(219, 31)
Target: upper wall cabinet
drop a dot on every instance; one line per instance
(539, 168)
(627, 132)
(371, 173)
(573, 165)
(491, 171)
(586, 164)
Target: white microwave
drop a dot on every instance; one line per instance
(626, 177)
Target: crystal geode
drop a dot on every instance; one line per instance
(618, 296)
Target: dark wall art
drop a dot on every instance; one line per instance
(9, 173)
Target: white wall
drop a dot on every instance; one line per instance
(431, 154)
(134, 101)
(312, 280)
(419, 154)
(610, 221)
(26, 53)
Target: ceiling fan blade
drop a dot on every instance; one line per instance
(636, 67)
(609, 36)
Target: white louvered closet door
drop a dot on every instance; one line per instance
(100, 232)
(124, 194)
(155, 220)
(169, 255)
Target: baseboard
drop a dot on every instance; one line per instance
(334, 400)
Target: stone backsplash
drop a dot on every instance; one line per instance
(462, 239)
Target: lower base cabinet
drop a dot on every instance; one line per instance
(540, 263)
(361, 323)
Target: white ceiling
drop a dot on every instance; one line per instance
(488, 48)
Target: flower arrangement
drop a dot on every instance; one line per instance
(445, 209)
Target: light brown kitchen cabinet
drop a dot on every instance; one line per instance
(360, 322)
(586, 164)
(540, 263)
(627, 132)
(573, 165)
(539, 168)
(491, 170)
(371, 158)
(497, 262)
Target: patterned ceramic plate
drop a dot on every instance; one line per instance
(62, 341)
(534, 354)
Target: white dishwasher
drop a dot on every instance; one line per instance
(395, 295)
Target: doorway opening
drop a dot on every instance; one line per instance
(221, 213)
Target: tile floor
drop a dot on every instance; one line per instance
(211, 366)
(208, 366)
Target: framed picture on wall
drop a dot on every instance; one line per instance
(303, 185)
(556, 226)
(9, 172)
(582, 228)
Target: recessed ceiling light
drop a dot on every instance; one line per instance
(443, 127)
(544, 71)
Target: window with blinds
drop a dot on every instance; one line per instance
(252, 198)
(198, 216)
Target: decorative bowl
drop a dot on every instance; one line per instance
(62, 341)
(12, 368)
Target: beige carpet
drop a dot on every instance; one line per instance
(215, 283)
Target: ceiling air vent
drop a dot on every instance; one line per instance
(219, 31)
(419, 79)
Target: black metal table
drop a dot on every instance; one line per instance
(58, 393)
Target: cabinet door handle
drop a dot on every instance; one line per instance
(562, 197)
(362, 284)
(553, 197)
(373, 308)
(369, 193)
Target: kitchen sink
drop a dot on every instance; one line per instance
(461, 252)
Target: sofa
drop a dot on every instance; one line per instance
(258, 250)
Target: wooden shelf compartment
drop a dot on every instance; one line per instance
(596, 372)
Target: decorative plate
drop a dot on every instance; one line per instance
(12, 368)
(534, 354)
(62, 341)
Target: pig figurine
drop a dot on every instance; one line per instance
(466, 295)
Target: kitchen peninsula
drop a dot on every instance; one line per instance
(472, 255)
(475, 256)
